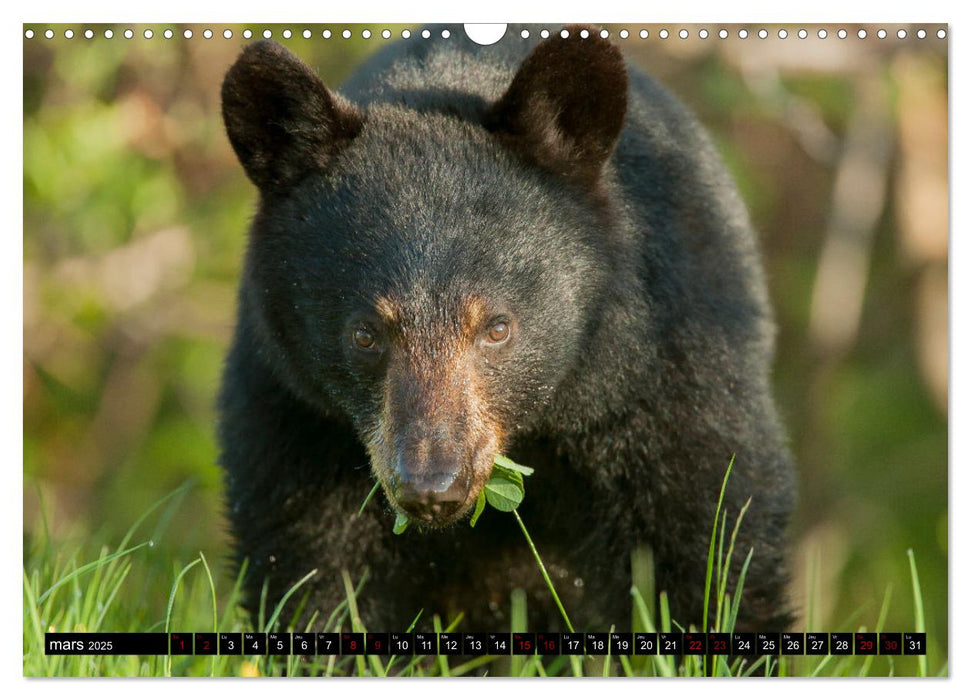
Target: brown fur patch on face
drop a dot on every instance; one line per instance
(388, 310)
(472, 317)
(381, 445)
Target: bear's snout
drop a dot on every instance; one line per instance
(430, 477)
(437, 433)
(432, 497)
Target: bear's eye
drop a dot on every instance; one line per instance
(364, 339)
(498, 333)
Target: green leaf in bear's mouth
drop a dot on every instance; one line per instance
(401, 523)
(504, 489)
(480, 504)
(506, 463)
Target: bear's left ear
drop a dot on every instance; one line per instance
(281, 119)
(565, 107)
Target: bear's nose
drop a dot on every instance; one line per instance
(431, 497)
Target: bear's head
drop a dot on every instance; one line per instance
(429, 278)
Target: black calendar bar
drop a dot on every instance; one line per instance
(402, 643)
(205, 643)
(181, 644)
(572, 643)
(230, 644)
(304, 643)
(523, 644)
(793, 644)
(915, 643)
(694, 644)
(278, 643)
(254, 643)
(621, 643)
(548, 643)
(866, 643)
(352, 643)
(891, 644)
(496, 643)
(719, 644)
(328, 643)
(817, 644)
(474, 644)
(378, 644)
(104, 644)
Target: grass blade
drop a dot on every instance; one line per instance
(723, 583)
(374, 490)
(215, 610)
(542, 570)
(94, 565)
(919, 623)
(441, 658)
(31, 605)
(518, 622)
(356, 623)
(283, 601)
(171, 604)
(711, 544)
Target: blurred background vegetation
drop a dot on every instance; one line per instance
(135, 213)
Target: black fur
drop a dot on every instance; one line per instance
(584, 200)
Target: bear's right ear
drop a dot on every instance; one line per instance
(281, 119)
(565, 108)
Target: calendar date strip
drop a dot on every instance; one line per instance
(493, 643)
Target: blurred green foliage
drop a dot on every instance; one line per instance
(135, 213)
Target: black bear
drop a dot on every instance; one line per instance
(528, 249)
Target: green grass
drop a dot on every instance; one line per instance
(74, 589)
